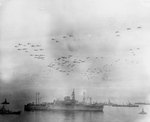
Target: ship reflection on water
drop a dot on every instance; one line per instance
(64, 116)
(81, 116)
(110, 114)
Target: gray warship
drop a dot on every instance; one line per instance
(68, 104)
(5, 111)
(125, 105)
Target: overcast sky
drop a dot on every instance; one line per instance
(111, 36)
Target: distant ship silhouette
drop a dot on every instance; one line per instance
(68, 104)
(3, 109)
(142, 112)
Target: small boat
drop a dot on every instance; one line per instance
(142, 112)
(4, 111)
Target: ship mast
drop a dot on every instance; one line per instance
(37, 98)
(83, 97)
(5, 103)
(73, 96)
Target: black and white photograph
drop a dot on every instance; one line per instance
(74, 60)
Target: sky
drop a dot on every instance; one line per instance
(99, 47)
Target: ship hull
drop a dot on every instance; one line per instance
(76, 108)
(125, 106)
(63, 108)
(11, 113)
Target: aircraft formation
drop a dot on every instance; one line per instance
(68, 64)
(127, 29)
(33, 50)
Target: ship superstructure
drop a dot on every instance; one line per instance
(68, 104)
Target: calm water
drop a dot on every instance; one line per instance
(111, 114)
